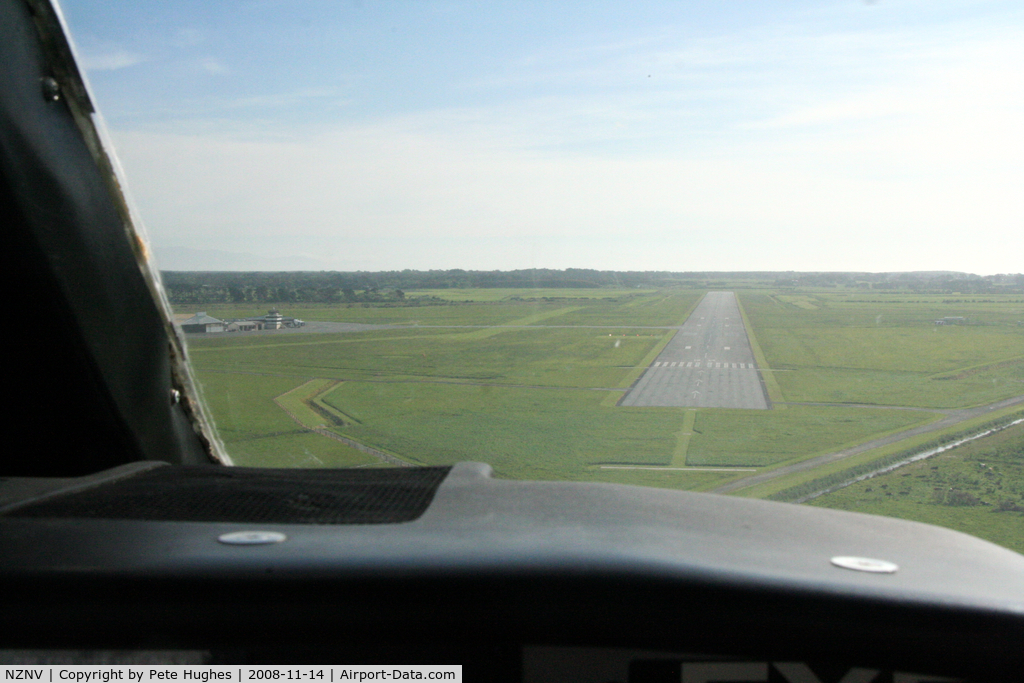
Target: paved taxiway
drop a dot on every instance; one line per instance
(707, 364)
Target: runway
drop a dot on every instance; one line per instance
(707, 364)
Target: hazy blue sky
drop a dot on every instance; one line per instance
(742, 135)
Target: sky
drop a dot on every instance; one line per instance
(833, 135)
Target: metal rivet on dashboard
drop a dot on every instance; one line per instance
(252, 537)
(865, 564)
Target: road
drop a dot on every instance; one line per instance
(707, 364)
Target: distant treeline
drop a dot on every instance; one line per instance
(198, 287)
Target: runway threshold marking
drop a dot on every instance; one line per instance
(719, 389)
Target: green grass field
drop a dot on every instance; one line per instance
(887, 350)
(555, 357)
(257, 432)
(537, 401)
(590, 306)
(977, 488)
(499, 294)
(740, 438)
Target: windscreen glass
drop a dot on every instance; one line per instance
(753, 248)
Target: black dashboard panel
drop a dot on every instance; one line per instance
(494, 565)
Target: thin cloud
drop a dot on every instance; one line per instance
(781, 148)
(110, 61)
(282, 99)
(188, 37)
(213, 66)
(400, 195)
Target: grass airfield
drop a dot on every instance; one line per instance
(527, 381)
(887, 350)
(977, 488)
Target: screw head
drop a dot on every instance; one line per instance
(51, 89)
(865, 564)
(252, 537)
